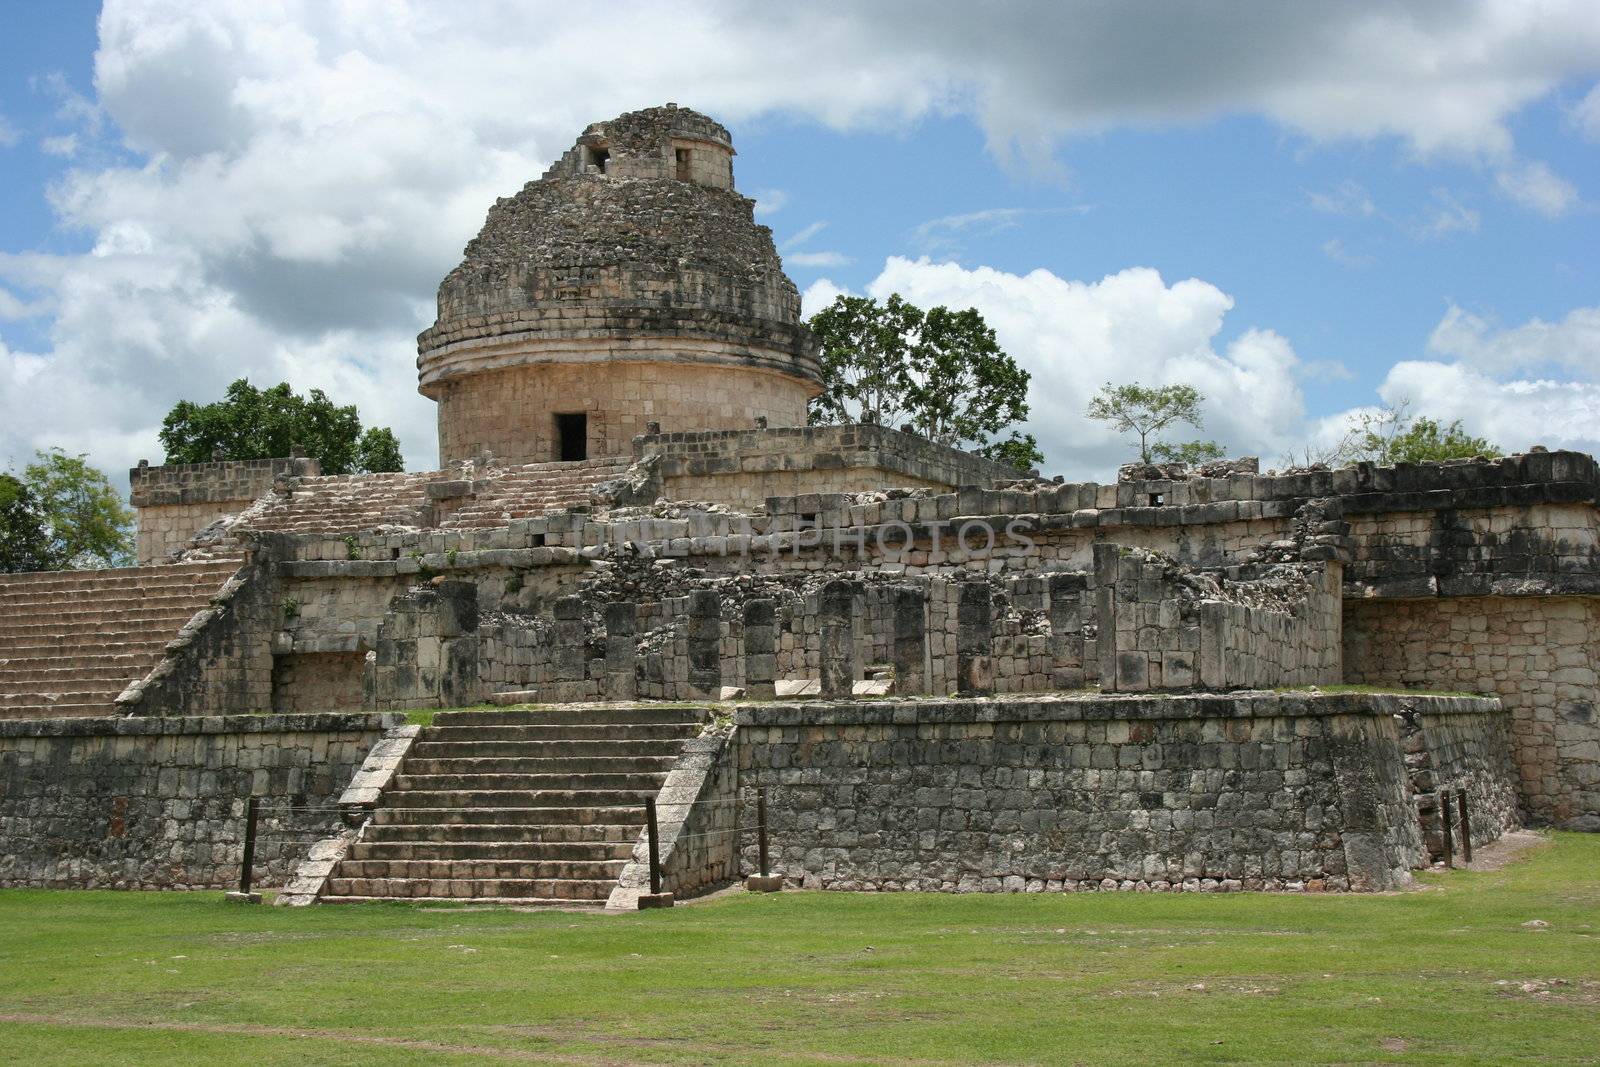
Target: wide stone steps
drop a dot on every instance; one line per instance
(545, 765)
(44, 623)
(553, 749)
(64, 710)
(531, 870)
(509, 851)
(588, 781)
(119, 579)
(528, 833)
(81, 693)
(630, 717)
(526, 890)
(12, 674)
(518, 798)
(526, 805)
(71, 641)
(650, 731)
(401, 811)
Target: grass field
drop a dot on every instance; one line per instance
(1449, 974)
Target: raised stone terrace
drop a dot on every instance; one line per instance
(70, 641)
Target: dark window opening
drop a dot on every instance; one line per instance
(572, 436)
(682, 155)
(1157, 499)
(600, 157)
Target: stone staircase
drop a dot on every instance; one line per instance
(515, 807)
(351, 503)
(71, 641)
(533, 489)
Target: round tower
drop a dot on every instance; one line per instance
(628, 285)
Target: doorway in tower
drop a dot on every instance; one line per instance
(572, 436)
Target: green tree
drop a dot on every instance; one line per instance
(1020, 450)
(251, 423)
(866, 359)
(1189, 453)
(1393, 435)
(1146, 411)
(24, 540)
(939, 373)
(84, 517)
(378, 450)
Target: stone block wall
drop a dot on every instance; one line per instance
(511, 412)
(1163, 626)
(743, 468)
(698, 814)
(158, 803)
(1539, 655)
(1175, 793)
(1464, 752)
(176, 501)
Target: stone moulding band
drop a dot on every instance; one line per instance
(1241, 705)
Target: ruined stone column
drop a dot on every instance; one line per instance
(910, 648)
(975, 640)
(705, 643)
(760, 649)
(1066, 629)
(839, 655)
(622, 654)
(569, 661)
(1107, 571)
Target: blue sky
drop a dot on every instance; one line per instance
(1304, 214)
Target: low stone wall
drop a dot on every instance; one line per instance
(1537, 654)
(745, 467)
(1258, 791)
(1463, 752)
(697, 821)
(158, 803)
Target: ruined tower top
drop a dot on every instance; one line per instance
(629, 284)
(658, 142)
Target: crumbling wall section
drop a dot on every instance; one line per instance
(1165, 626)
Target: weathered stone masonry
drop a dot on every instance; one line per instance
(158, 803)
(1254, 791)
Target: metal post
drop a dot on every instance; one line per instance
(1444, 824)
(655, 845)
(1466, 825)
(252, 808)
(761, 827)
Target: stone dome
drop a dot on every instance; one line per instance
(629, 284)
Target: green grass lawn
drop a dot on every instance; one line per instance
(1447, 974)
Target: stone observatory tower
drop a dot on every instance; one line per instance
(628, 285)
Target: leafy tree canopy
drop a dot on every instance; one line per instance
(24, 539)
(1147, 411)
(939, 373)
(1393, 435)
(251, 423)
(85, 521)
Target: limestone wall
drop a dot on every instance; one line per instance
(176, 501)
(744, 467)
(1540, 655)
(1197, 793)
(511, 412)
(1450, 754)
(1163, 626)
(158, 803)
